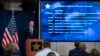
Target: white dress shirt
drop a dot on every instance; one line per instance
(45, 51)
(31, 30)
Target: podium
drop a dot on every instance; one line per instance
(33, 46)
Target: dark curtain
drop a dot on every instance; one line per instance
(22, 20)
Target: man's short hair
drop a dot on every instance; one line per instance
(46, 44)
(77, 43)
(31, 21)
(82, 46)
(94, 52)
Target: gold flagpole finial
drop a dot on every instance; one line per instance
(13, 8)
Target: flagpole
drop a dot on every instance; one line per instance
(12, 11)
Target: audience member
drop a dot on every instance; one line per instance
(76, 49)
(51, 54)
(46, 50)
(11, 50)
(1, 50)
(82, 52)
(94, 52)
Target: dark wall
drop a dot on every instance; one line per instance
(31, 5)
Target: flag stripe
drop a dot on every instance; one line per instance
(4, 43)
(16, 34)
(14, 39)
(5, 36)
(9, 35)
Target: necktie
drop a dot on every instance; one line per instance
(31, 30)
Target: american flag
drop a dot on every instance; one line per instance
(10, 34)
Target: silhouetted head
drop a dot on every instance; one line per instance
(82, 46)
(76, 44)
(94, 52)
(46, 44)
(12, 47)
(51, 54)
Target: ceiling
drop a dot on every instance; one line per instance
(17, 0)
(10, 1)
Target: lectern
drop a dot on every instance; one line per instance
(33, 46)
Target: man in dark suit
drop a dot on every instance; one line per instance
(31, 31)
(76, 49)
(82, 52)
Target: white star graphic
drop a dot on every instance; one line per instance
(47, 6)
